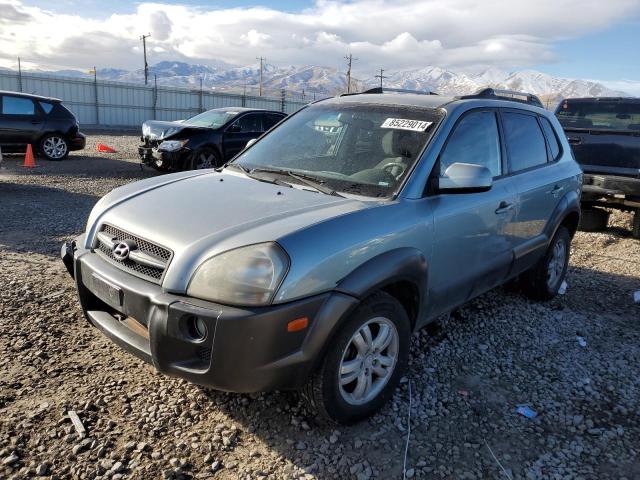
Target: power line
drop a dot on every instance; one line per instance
(146, 65)
(262, 59)
(381, 76)
(349, 58)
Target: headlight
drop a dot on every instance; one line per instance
(172, 145)
(247, 276)
(146, 130)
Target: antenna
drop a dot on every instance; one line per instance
(144, 49)
(262, 59)
(349, 58)
(381, 76)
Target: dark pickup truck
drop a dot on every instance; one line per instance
(604, 134)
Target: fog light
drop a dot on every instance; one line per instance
(196, 328)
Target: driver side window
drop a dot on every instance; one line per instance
(474, 140)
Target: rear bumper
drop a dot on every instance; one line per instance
(77, 142)
(613, 188)
(173, 160)
(243, 350)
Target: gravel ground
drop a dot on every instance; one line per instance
(466, 377)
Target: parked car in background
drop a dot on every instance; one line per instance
(204, 141)
(356, 221)
(43, 122)
(604, 134)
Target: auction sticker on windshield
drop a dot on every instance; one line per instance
(406, 124)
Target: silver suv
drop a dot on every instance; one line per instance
(308, 260)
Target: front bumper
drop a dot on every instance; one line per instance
(170, 160)
(244, 349)
(77, 142)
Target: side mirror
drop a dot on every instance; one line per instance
(465, 178)
(250, 142)
(234, 128)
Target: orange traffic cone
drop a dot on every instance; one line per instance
(29, 162)
(101, 147)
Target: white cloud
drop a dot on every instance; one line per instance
(388, 34)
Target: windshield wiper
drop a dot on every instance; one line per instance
(250, 173)
(307, 180)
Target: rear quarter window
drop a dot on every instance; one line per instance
(524, 139)
(552, 138)
(46, 107)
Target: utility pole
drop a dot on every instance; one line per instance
(261, 62)
(19, 76)
(201, 102)
(381, 77)
(144, 49)
(349, 58)
(95, 90)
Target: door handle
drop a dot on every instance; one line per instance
(504, 207)
(556, 190)
(36, 122)
(574, 140)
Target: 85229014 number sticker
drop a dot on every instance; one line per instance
(406, 124)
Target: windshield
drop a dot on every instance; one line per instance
(212, 118)
(600, 115)
(361, 149)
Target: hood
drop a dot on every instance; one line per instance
(159, 130)
(198, 215)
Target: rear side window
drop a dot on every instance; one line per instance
(549, 132)
(270, 119)
(525, 143)
(474, 140)
(17, 106)
(250, 123)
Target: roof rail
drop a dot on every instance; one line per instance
(391, 90)
(509, 95)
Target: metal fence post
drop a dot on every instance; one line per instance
(19, 75)
(95, 84)
(155, 96)
(282, 100)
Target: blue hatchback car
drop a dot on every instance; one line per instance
(307, 261)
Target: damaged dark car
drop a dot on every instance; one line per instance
(207, 140)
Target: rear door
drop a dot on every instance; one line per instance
(604, 134)
(21, 120)
(242, 130)
(472, 248)
(536, 176)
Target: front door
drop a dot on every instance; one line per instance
(237, 135)
(20, 120)
(472, 249)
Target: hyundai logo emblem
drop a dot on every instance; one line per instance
(122, 250)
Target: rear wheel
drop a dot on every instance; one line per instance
(593, 220)
(364, 362)
(543, 281)
(204, 158)
(54, 147)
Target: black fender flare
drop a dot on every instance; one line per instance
(569, 204)
(402, 264)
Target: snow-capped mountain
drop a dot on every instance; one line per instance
(325, 81)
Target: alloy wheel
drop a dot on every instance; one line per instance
(368, 361)
(556, 264)
(205, 160)
(54, 147)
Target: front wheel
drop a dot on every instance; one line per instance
(54, 147)
(543, 281)
(364, 362)
(204, 158)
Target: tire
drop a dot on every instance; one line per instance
(593, 220)
(635, 229)
(543, 281)
(202, 158)
(339, 402)
(54, 147)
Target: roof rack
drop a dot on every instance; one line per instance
(379, 90)
(509, 95)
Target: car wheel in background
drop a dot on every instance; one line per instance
(204, 158)
(54, 147)
(543, 281)
(364, 362)
(593, 219)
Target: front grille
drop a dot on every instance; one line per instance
(148, 272)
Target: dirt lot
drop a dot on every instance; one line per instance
(467, 375)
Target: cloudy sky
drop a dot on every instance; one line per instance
(589, 39)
